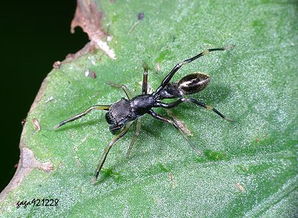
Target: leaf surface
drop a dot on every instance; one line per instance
(248, 168)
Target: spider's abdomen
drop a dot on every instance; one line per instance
(193, 83)
(190, 84)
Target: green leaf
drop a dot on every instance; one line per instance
(248, 168)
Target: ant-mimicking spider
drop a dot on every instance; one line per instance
(124, 112)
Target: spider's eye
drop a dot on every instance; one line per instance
(108, 118)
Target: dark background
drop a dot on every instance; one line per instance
(34, 34)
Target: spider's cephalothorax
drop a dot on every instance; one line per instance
(119, 113)
(127, 110)
(123, 113)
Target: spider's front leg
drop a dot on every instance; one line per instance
(108, 148)
(95, 107)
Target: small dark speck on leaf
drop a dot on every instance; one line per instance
(141, 16)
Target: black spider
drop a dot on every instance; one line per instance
(121, 114)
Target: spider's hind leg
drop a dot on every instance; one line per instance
(208, 107)
(167, 120)
(194, 101)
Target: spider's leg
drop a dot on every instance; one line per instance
(108, 148)
(191, 100)
(167, 79)
(121, 86)
(208, 107)
(135, 136)
(167, 120)
(95, 107)
(145, 80)
(169, 105)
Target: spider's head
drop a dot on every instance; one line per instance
(118, 115)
